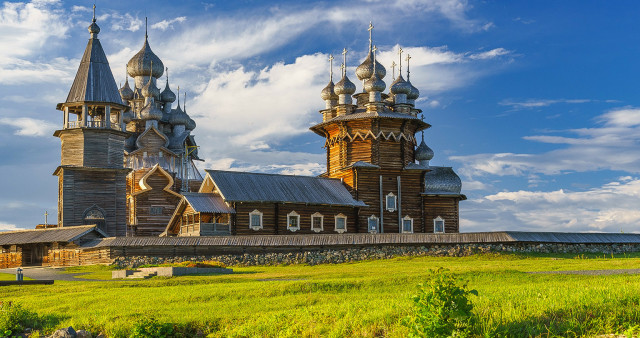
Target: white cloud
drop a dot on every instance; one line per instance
(490, 54)
(25, 28)
(8, 227)
(538, 103)
(611, 207)
(612, 146)
(58, 70)
(164, 24)
(126, 22)
(29, 127)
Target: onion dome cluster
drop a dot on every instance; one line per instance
(179, 117)
(150, 90)
(345, 86)
(400, 86)
(167, 94)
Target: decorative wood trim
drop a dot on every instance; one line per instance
(296, 216)
(317, 214)
(335, 225)
(256, 227)
(145, 187)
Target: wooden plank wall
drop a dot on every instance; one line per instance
(445, 207)
(305, 211)
(140, 204)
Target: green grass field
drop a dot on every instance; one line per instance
(364, 299)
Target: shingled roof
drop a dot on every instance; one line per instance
(94, 80)
(65, 234)
(251, 187)
(210, 203)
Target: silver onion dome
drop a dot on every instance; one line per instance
(423, 152)
(126, 93)
(94, 29)
(400, 86)
(374, 84)
(414, 94)
(140, 64)
(328, 92)
(191, 125)
(178, 117)
(167, 94)
(150, 90)
(365, 69)
(151, 112)
(345, 86)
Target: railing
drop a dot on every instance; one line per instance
(92, 124)
(215, 229)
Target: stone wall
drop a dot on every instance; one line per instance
(313, 256)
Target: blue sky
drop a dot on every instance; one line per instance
(534, 104)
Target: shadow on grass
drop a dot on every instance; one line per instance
(582, 320)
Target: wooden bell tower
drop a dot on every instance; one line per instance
(91, 175)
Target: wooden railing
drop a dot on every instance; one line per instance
(91, 124)
(215, 229)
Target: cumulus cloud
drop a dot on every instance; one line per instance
(611, 207)
(612, 145)
(164, 24)
(29, 127)
(126, 22)
(8, 227)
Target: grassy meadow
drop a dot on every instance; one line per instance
(363, 299)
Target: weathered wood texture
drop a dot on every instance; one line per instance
(141, 202)
(88, 147)
(446, 208)
(85, 189)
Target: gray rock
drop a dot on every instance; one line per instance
(65, 333)
(83, 334)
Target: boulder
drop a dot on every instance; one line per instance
(68, 332)
(83, 334)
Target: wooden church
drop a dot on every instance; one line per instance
(128, 156)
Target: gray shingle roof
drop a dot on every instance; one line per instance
(94, 80)
(442, 181)
(252, 187)
(66, 234)
(209, 203)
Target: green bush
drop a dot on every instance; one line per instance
(442, 307)
(151, 327)
(14, 319)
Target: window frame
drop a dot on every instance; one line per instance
(395, 202)
(377, 228)
(407, 218)
(321, 216)
(254, 213)
(290, 216)
(435, 222)
(335, 225)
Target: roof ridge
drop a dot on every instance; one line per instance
(267, 174)
(49, 229)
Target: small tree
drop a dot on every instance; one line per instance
(442, 308)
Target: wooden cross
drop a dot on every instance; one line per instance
(46, 214)
(408, 58)
(331, 67)
(344, 62)
(374, 57)
(342, 69)
(400, 66)
(94, 12)
(393, 69)
(370, 31)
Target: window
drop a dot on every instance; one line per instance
(341, 223)
(407, 224)
(438, 225)
(317, 221)
(155, 210)
(255, 220)
(293, 221)
(373, 224)
(391, 202)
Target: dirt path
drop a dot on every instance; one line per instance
(50, 273)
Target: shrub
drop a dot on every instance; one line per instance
(442, 308)
(151, 327)
(14, 319)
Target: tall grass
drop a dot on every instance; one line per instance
(364, 299)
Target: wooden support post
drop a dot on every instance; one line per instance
(66, 117)
(85, 115)
(107, 116)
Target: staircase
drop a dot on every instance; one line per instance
(142, 274)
